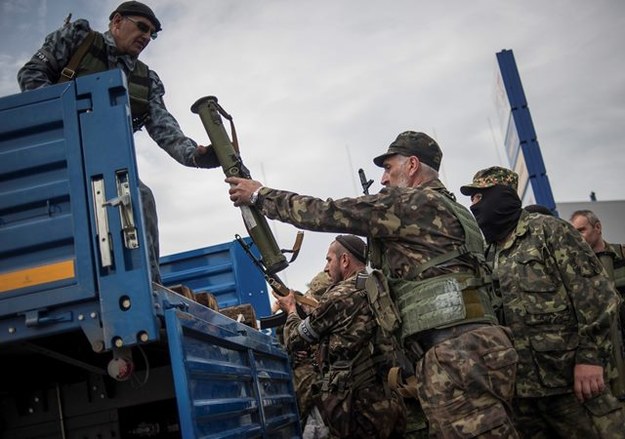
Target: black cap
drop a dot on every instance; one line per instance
(411, 143)
(137, 8)
(539, 208)
(354, 245)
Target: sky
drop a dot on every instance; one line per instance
(317, 89)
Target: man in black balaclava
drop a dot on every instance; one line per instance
(560, 308)
(494, 202)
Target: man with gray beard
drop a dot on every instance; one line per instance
(430, 285)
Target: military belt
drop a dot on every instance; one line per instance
(428, 339)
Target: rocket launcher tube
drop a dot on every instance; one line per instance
(256, 224)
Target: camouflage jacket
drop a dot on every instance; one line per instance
(342, 321)
(350, 389)
(411, 225)
(613, 259)
(557, 302)
(45, 67)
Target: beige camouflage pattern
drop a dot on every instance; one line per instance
(411, 226)
(449, 385)
(617, 253)
(304, 363)
(490, 177)
(562, 416)
(613, 262)
(304, 375)
(560, 308)
(345, 328)
(556, 301)
(318, 285)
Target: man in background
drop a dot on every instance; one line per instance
(560, 308)
(612, 257)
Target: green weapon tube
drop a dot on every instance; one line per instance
(255, 223)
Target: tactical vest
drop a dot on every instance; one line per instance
(614, 263)
(368, 363)
(443, 301)
(91, 57)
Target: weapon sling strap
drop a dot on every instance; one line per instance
(225, 115)
(69, 71)
(407, 389)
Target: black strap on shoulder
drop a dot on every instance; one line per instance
(69, 71)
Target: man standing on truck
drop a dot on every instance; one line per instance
(432, 289)
(350, 391)
(75, 50)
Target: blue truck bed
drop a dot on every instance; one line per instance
(224, 270)
(89, 347)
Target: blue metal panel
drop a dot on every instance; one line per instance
(524, 126)
(125, 287)
(43, 205)
(231, 381)
(223, 270)
(54, 143)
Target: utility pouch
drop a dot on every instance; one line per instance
(381, 302)
(333, 396)
(339, 378)
(441, 302)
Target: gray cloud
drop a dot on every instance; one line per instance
(317, 87)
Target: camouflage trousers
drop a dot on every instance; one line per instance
(150, 224)
(563, 416)
(466, 383)
(616, 366)
(363, 413)
(416, 422)
(304, 375)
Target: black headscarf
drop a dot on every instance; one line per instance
(498, 212)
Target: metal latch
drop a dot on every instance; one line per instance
(101, 221)
(124, 202)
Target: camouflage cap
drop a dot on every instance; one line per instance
(318, 285)
(489, 177)
(137, 8)
(412, 143)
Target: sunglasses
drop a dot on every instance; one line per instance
(143, 28)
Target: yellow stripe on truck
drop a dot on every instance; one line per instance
(37, 275)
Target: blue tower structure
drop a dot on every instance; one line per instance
(521, 143)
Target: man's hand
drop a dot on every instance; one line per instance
(301, 355)
(205, 157)
(286, 303)
(201, 149)
(588, 381)
(241, 190)
(275, 307)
